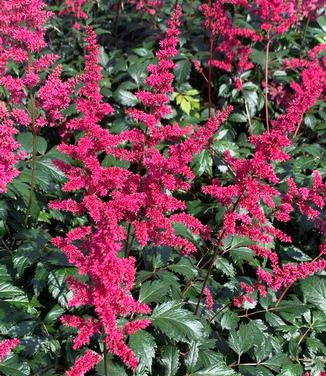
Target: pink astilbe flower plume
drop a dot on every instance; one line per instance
(114, 197)
(256, 190)
(97, 256)
(148, 6)
(6, 346)
(9, 155)
(34, 102)
(230, 50)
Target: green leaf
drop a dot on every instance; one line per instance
(224, 266)
(170, 360)
(185, 106)
(127, 98)
(143, 344)
(57, 286)
(191, 358)
(26, 140)
(177, 323)
(202, 163)
(138, 72)
(238, 118)
(220, 369)
(245, 338)
(292, 307)
(184, 267)
(182, 71)
(53, 315)
(229, 320)
(13, 366)
(4, 275)
(11, 293)
(153, 291)
(292, 370)
(314, 291)
(276, 362)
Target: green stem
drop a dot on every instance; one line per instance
(266, 80)
(34, 154)
(105, 360)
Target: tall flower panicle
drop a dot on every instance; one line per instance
(9, 155)
(75, 7)
(254, 200)
(117, 200)
(97, 254)
(166, 174)
(148, 6)
(34, 102)
(231, 50)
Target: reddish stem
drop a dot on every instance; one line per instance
(266, 80)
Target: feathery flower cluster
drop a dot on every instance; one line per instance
(256, 186)
(165, 175)
(6, 346)
(8, 149)
(75, 7)
(97, 254)
(114, 197)
(148, 6)
(22, 27)
(84, 363)
(231, 50)
(276, 15)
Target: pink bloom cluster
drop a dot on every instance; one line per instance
(251, 201)
(115, 198)
(8, 149)
(230, 48)
(75, 7)
(97, 254)
(6, 346)
(148, 6)
(84, 364)
(276, 15)
(22, 26)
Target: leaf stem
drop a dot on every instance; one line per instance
(105, 360)
(266, 80)
(211, 45)
(34, 154)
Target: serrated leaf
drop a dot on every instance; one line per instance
(229, 320)
(314, 291)
(245, 338)
(191, 358)
(182, 71)
(292, 370)
(153, 291)
(176, 322)
(224, 266)
(184, 267)
(12, 293)
(170, 360)
(26, 140)
(53, 315)
(13, 366)
(57, 286)
(220, 369)
(138, 72)
(143, 344)
(127, 98)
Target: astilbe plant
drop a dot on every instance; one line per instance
(255, 205)
(137, 207)
(141, 199)
(37, 95)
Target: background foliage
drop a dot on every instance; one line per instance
(267, 337)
